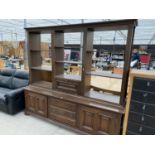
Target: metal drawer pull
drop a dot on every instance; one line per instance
(144, 106)
(141, 129)
(142, 118)
(148, 84)
(61, 97)
(145, 94)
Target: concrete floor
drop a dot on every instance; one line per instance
(21, 124)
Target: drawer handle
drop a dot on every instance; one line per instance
(61, 98)
(141, 129)
(145, 94)
(143, 118)
(144, 106)
(148, 84)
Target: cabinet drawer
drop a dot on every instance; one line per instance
(144, 84)
(140, 130)
(142, 108)
(62, 104)
(68, 86)
(142, 119)
(62, 111)
(144, 97)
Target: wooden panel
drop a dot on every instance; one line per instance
(62, 111)
(36, 103)
(87, 119)
(41, 105)
(30, 101)
(62, 104)
(34, 41)
(96, 121)
(37, 75)
(104, 123)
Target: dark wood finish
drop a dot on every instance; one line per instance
(36, 103)
(41, 75)
(87, 61)
(62, 111)
(95, 121)
(92, 112)
(74, 111)
(43, 84)
(96, 26)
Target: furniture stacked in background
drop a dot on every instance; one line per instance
(12, 83)
(140, 108)
(69, 99)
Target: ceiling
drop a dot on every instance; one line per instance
(13, 30)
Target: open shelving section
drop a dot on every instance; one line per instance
(56, 94)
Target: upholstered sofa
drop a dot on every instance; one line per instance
(12, 83)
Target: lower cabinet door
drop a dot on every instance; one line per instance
(30, 101)
(36, 103)
(41, 105)
(87, 118)
(96, 121)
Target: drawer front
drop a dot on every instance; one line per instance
(142, 108)
(142, 119)
(62, 104)
(68, 86)
(144, 84)
(140, 130)
(62, 111)
(144, 97)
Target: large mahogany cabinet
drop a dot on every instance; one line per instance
(68, 99)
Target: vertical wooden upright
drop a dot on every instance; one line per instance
(127, 61)
(87, 59)
(58, 55)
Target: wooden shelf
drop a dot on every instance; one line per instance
(103, 96)
(110, 75)
(69, 62)
(59, 47)
(76, 78)
(42, 84)
(42, 68)
(40, 50)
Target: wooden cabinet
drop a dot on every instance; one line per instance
(47, 84)
(62, 111)
(36, 103)
(96, 121)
